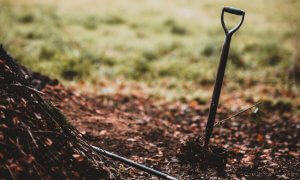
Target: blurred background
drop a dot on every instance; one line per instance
(167, 48)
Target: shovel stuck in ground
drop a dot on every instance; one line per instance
(214, 102)
(221, 70)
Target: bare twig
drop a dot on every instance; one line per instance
(30, 134)
(47, 132)
(17, 145)
(238, 113)
(37, 170)
(34, 141)
(27, 87)
(10, 172)
(34, 160)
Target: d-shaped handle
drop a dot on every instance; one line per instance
(235, 12)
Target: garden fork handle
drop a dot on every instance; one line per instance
(221, 71)
(232, 11)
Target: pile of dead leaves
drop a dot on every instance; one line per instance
(36, 140)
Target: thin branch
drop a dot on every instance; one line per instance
(238, 113)
(46, 132)
(16, 144)
(19, 146)
(10, 172)
(27, 87)
(30, 134)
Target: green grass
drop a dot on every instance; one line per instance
(152, 42)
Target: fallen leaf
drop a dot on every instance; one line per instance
(176, 134)
(76, 174)
(23, 102)
(15, 167)
(248, 160)
(2, 115)
(78, 157)
(1, 136)
(103, 132)
(37, 116)
(122, 168)
(295, 154)
(48, 141)
(131, 139)
(98, 111)
(28, 159)
(193, 104)
(196, 118)
(16, 120)
(260, 137)
(3, 126)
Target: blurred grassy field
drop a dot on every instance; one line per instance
(172, 46)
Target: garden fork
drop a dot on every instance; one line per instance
(221, 70)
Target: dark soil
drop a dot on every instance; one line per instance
(134, 126)
(193, 153)
(165, 136)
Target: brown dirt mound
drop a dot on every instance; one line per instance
(36, 141)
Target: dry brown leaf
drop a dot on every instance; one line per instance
(78, 157)
(16, 120)
(98, 111)
(248, 160)
(2, 107)
(15, 167)
(76, 174)
(260, 137)
(295, 154)
(103, 132)
(1, 136)
(23, 102)
(37, 116)
(131, 139)
(2, 115)
(193, 104)
(28, 159)
(48, 141)
(3, 126)
(176, 134)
